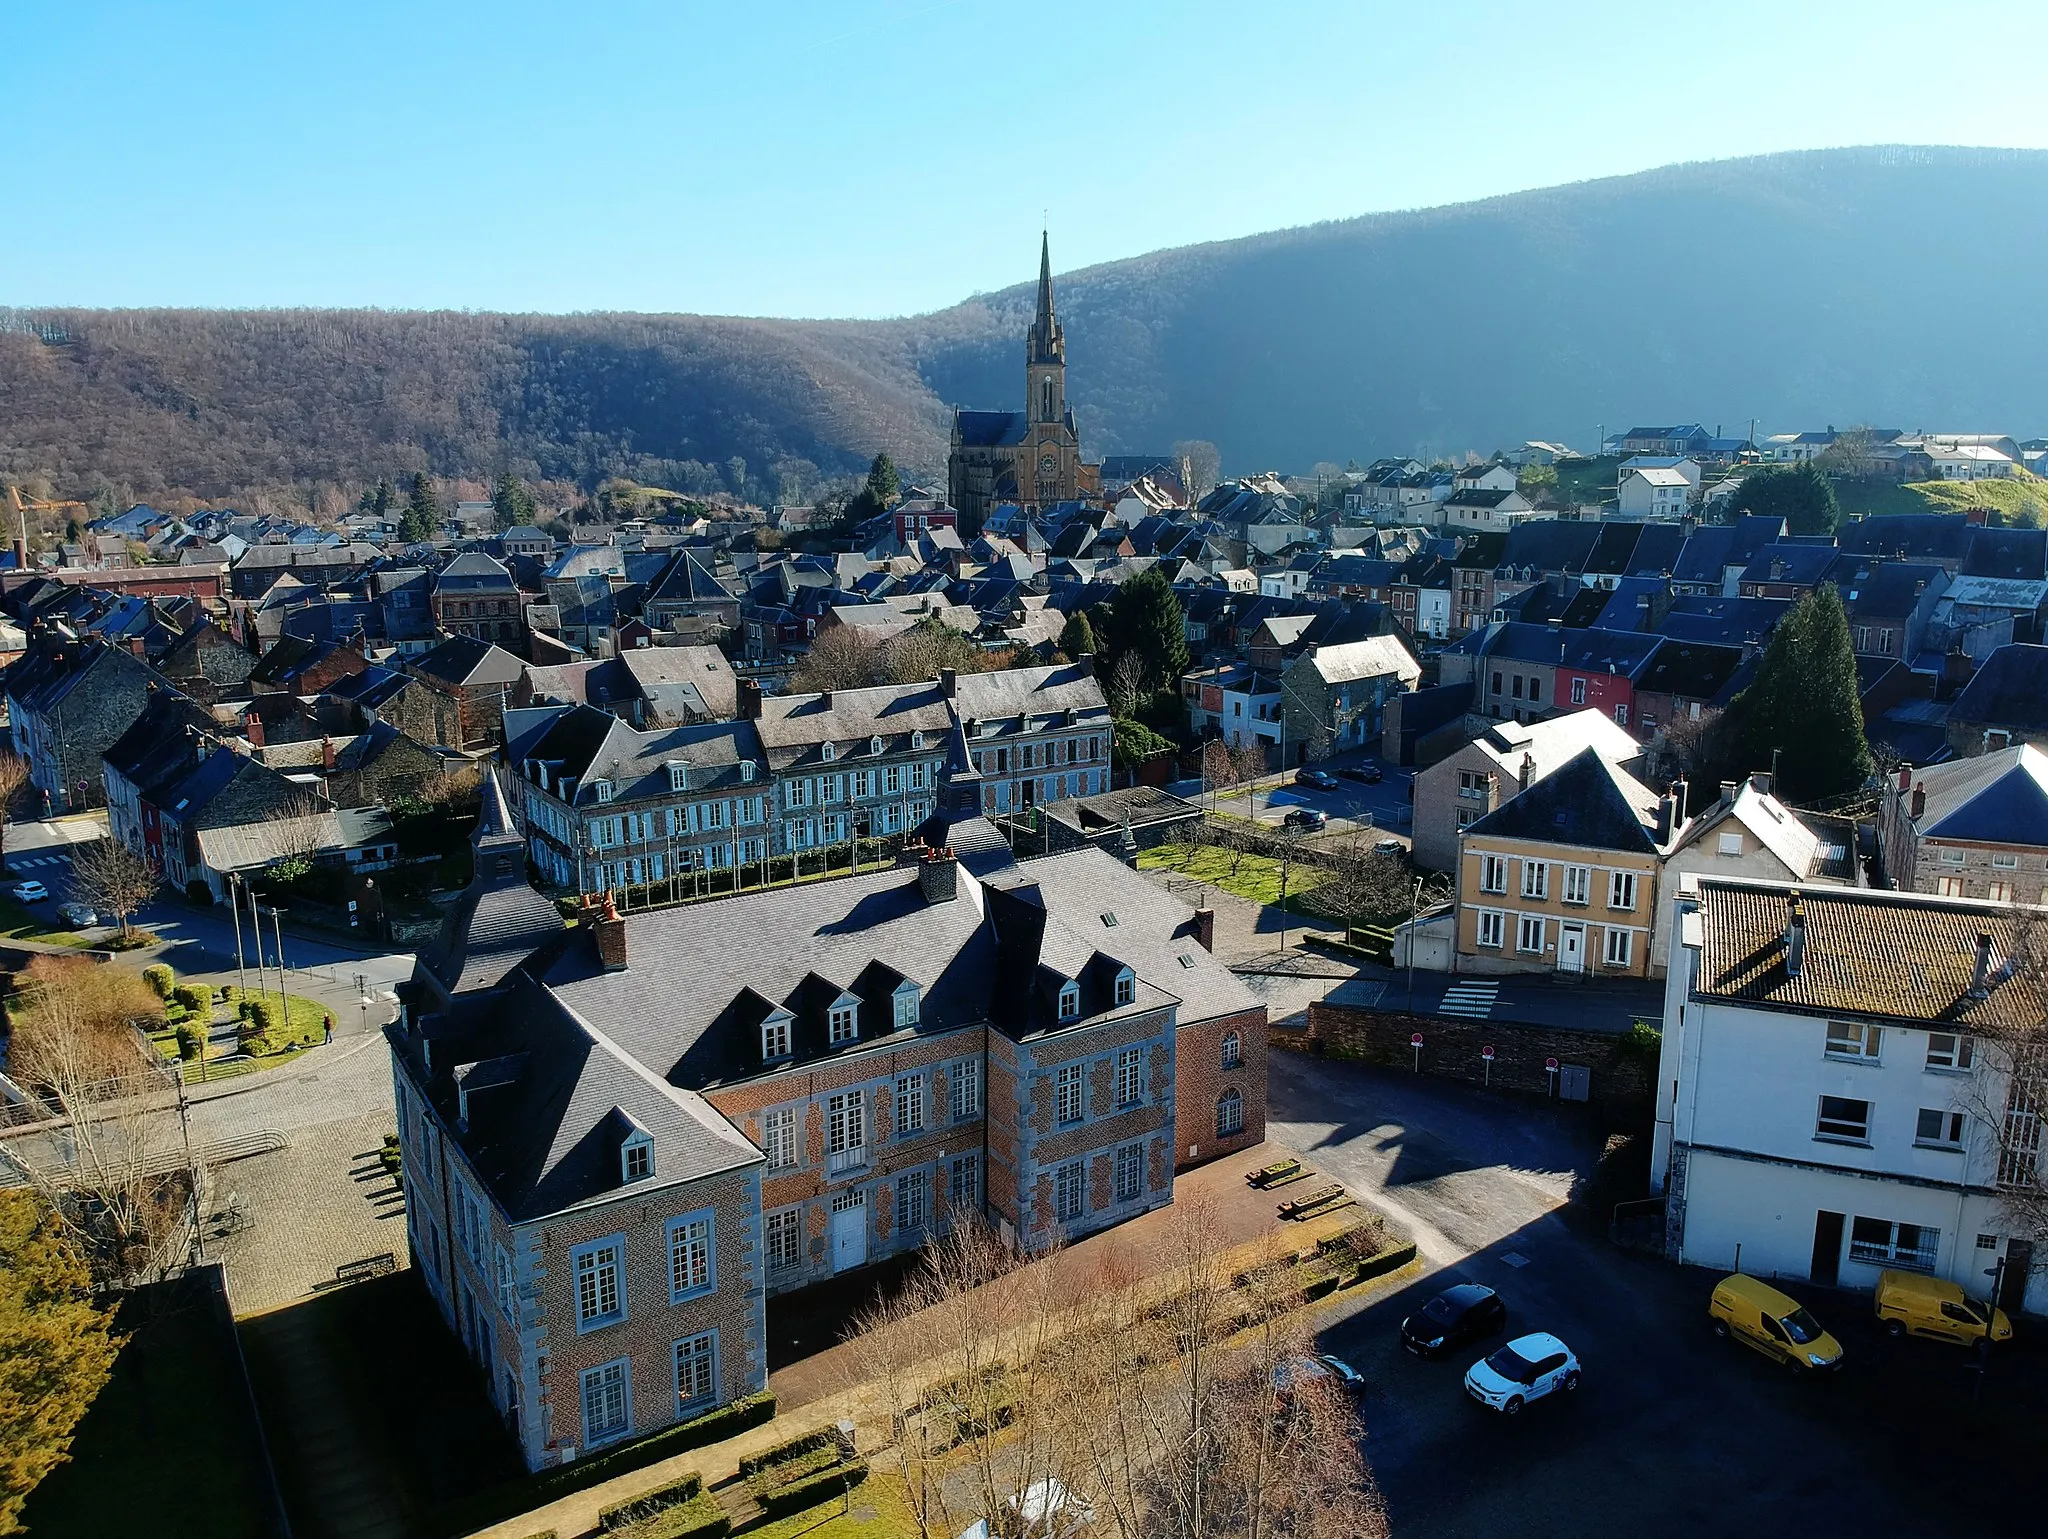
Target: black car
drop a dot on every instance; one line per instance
(1456, 1315)
(1322, 780)
(1364, 774)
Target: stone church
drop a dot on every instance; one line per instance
(1032, 457)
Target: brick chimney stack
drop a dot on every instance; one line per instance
(749, 699)
(1919, 803)
(1205, 928)
(327, 754)
(609, 931)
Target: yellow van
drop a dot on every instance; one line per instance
(1934, 1306)
(1759, 1316)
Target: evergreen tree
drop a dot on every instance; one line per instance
(1077, 639)
(422, 517)
(383, 497)
(511, 503)
(1799, 494)
(56, 1345)
(1803, 705)
(882, 483)
(1146, 619)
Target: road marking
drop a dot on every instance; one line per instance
(1513, 1258)
(1473, 1000)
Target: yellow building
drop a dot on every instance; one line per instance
(1563, 878)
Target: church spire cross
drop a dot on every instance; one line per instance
(1047, 344)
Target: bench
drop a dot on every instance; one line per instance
(1300, 1207)
(368, 1267)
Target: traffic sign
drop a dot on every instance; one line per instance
(1486, 1053)
(1416, 1040)
(1550, 1064)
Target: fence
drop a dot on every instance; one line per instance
(1457, 1049)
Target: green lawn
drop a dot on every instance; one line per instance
(305, 1020)
(167, 1449)
(1255, 878)
(877, 1510)
(2021, 499)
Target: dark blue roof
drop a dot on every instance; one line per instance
(1726, 621)
(2010, 690)
(991, 429)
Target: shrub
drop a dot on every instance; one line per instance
(795, 1448)
(648, 1503)
(191, 1041)
(160, 978)
(264, 1017)
(799, 1494)
(698, 1518)
(195, 999)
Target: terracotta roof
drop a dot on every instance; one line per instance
(1893, 955)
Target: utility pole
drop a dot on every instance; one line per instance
(1414, 912)
(235, 908)
(283, 1001)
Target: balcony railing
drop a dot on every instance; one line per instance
(842, 1160)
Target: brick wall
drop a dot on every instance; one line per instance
(1200, 1079)
(1451, 1049)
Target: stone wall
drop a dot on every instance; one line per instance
(1451, 1050)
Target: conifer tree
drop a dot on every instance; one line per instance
(422, 515)
(1804, 706)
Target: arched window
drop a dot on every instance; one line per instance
(1229, 1113)
(1045, 414)
(1070, 1002)
(1233, 1051)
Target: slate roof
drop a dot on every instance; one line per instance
(1997, 798)
(1692, 670)
(1726, 621)
(473, 571)
(1785, 562)
(1372, 658)
(1586, 803)
(500, 920)
(2021, 553)
(991, 429)
(1549, 545)
(1939, 537)
(1888, 955)
(2010, 690)
(464, 660)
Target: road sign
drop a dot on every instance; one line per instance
(1550, 1064)
(1486, 1053)
(1416, 1040)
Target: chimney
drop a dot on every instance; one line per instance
(1763, 782)
(938, 876)
(1905, 777)
(1205, 928)
(748, 698)
(1795, 934)
(949, 681)
(252, 729)
(1528, 770)
(135, 645)
(1728, 790)
(327, 754)
(609, 931)
(1665, 807)
(1980, 975)
(1679, 793)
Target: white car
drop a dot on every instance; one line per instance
(1527, 1368)
(30, 892)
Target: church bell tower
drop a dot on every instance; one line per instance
(1045, 354)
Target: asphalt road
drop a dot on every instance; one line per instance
(1606, 1005)
(1384, 807)
(1673, 1432)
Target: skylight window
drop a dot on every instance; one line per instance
(1108, 920)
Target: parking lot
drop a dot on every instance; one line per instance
(1350, 805)
(1673, 1432)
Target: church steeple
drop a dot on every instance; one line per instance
(1048, 343)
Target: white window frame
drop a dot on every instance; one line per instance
(702, 1349)
(692, 1255)
(784, 1230)
(1130, 1076)
(1126, 987)
(1949, 1128)
(588, 1264)
(1854, 1042)
(1621, 891)
(1070, 1191)
(1070, 1001)
(1578, 885)
(906, 1007)
(1535, 879)
(636, 1150)
(778, 1137)
(842, 1024)
(1839, 1125)
(963, 1181)
(963, 1088)
(1492, 928)
(846, 1131)
(1527, 925)
(1951, 1052)
(1129, 1182)
(909, 1105)
(1230, 1113)
(1070, 1094)
(913, 1201)
(775, 1038)
(1233, 1050)
(606, 1378)
(1618, 949)
(1493, 873)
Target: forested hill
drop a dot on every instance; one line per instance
(1891, 286)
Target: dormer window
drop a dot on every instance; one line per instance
(747, 770)
(825, 752)
(916, 740)
(636, 1157)
(1070, 1001)
(842, 1024)
(906, 1006)
(678, 775)
(874, 745)
(1126, 987)
(774, 1038)
(602, 790)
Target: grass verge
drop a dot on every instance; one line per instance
(1255, 878)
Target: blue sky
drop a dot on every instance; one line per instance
(875, 157)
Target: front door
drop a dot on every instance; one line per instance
(849, 1231)
(1827, 1249)
(1571, 948)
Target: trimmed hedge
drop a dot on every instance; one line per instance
(698, 1518)
(159, 977)
(1385, 1262)
(194, 999)
(799, 1494)
(510, 1499)
(648, 1503)
(795, 1448)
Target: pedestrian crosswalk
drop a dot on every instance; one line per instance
(23, 862)
(1472, 998)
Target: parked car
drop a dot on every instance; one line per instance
(1773, 1323)
(1390, 847)
(1349, 1379)
(30, 892)
(1527, 1368)
(1322, 1369)
(1912, 1302)
(1364, 774)
(1308, 818)
(1452, 1318)
(1321, 780)
(77, 916)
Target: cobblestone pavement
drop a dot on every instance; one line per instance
(321, 1200)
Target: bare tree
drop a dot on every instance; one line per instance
(1202, 464)
(1126, 680)
(114, 879)
(1178, 1404)
(839, 658)
(111, 1164)
(1359, 882)
(2009, 1051)
(14, 775)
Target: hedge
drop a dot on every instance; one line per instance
(513, 1497)
(799, 1494)
(698, 1518)
(795, 1448)
(194, 999)
(648, 1503)
(1385, 1262)
(159, 977)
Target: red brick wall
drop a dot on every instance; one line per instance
(1200, 1078)
(1451, 1049)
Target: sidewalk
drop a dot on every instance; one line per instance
(821, 1390)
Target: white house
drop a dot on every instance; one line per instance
(1684, 464)
(1654, 493)
(1833, 1095)
(1483, 478)
(1242, 704)
(1969, 462)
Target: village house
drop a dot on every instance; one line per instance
(68, 701)
(477, 596)
(1458, 790)
(1970, 828)
(1334, 698)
